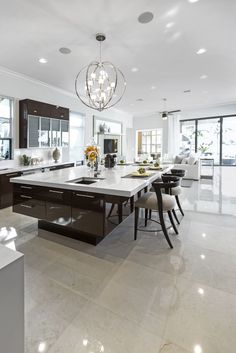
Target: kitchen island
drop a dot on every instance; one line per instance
(74, 203)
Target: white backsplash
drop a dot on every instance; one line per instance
(45, 154)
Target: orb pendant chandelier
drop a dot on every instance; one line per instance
(100, 85)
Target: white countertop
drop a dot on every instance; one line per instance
(7, 256)
(22, 168)
(113, 184)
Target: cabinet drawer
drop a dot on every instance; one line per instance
(22, 189)
(87, 201)
(57, 195)
(30, 207)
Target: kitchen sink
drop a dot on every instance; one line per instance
(85, 180)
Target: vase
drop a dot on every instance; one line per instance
(56, 154)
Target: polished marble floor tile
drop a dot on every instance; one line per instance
(134, 296)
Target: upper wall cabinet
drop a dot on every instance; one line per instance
(43, 125)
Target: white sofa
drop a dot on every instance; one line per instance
(192, 167)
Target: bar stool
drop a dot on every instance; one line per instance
(178, 173)
(158, 201)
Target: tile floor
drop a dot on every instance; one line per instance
(131, 297)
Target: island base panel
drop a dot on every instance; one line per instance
(70, 232)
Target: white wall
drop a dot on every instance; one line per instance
(210, 111)
(21, 87)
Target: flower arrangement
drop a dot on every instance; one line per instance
(92, 153)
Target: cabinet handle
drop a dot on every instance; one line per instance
(12, 174)
(56, 192)
(26, 187)
(26, 206)
(88, 196)
(25, 197)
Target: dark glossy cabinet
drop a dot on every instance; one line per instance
(58, 206)
(87, 213)
(75, 214)
(29, 200)
(38, 127)
(6, 189)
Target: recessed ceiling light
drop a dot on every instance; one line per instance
(204, 235)
(203, 77)
(201, 51)
(64, 50)
(43, 61)
(193, 1)
(145, 17)
(134, 69)
(170, 24)
(187, 91)
(153, 87)
(139, 100)
(202, 256)
(172, 12)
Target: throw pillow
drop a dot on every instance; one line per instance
(184, 161)
(178, 159)
(191, 160)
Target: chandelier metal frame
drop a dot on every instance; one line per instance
(98, 99)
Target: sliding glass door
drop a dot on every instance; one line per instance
(208, 138)
(229, 141)
(211, 138)
(188, 136)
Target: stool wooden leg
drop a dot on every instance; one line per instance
(178, 203)
(132, 204)
(136, 215)
(120, 212)
(175, 215)
(172, 222)
(150, 214)
(110, 212)
(164, 229)
(146, 216)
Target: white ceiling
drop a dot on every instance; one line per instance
(166, 58)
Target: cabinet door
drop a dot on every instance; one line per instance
(58, 206)
(88, 213)
(33, 131)
(45, 132)
(64, 133)
(6, 191)
(56, 132)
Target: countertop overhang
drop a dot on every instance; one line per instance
(114, 182)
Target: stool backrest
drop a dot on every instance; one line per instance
(167, 186)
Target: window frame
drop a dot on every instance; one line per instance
(11, 135)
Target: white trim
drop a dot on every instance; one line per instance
(4, 70)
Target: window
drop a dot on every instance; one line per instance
(187, 130)
(149, 142)
(210, 137)
(6, 114)
(76, 136)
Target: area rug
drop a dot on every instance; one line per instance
(186, 183)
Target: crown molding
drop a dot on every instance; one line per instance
(30, 79)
